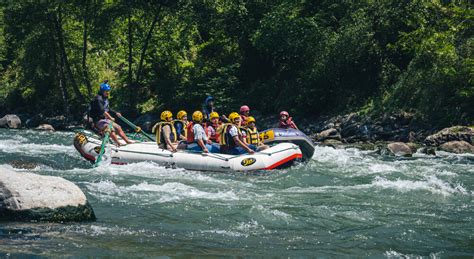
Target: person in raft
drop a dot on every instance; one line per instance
(180, 124)
(208, 107)
(199, 136)
(101, 115)
(213, 126)
(166, 135)
(286, 122)
(253, 135)
(244, 114)
(231, 138)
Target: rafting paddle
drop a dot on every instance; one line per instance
(104, 142)
(136, 128)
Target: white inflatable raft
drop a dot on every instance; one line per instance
(279, 156)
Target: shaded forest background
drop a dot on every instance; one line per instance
(311, 58)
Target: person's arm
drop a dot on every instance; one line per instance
(108, 116)
(202, 145)
(243, 145)
(167, 132)
(294, 125)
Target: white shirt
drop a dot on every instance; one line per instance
(199, 133)
(233, 131)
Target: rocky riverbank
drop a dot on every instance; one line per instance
(397, 134)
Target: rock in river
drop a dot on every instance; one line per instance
(328, 134)
(400, 149)
(457, 147)
(45, 127)
(10, 121)
(32, 197)
(456, 133)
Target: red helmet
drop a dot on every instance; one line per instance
(284, 113)
(244, 108)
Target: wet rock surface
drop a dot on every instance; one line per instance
(456, 133)
(10, 121)
(45, 127)
(400, 149)
(31, 197)
(458, 147)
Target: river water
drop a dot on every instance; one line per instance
(344, 202)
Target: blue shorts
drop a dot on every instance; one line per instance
(239, 150)
(195, 147)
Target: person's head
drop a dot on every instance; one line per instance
(182, 115)
(284, 116)
(198, 117)
(166, 116)
(250, 122)
(245, 110)
(210, 101)
(234, 118)
(214, 117)
(105, 89)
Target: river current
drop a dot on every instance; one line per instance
(343, 203)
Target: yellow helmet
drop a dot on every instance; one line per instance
(250, 119)
(166, 116)
(214, 115)
(181, 114)
(233, 116)
(197, 116)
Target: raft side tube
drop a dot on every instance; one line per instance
(277, 135)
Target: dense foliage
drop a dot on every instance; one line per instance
(308, 57)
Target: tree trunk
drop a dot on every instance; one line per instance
(130, 84)
(130, 60)
(145, 46)
(62, 50)
(62, 86)
(57, 64)
(85, 71)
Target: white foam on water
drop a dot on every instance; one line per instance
(273, 214)
(183, 191)
(336, 156)
(150, 170)
(382, 168)
(325, 189)
(167, 192)
(16, 146)
(98, 230)
(251, 225)
(394, 254)
(431, 184)
(224, 233)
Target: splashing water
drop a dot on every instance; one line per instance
(345, 202)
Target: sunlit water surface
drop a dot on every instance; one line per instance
(344, 202)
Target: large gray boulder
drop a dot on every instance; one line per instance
(328, 134)
(10, 121)
(400, 149)
(45, 127)
(32, 197)
(457, 147)
(456, 133)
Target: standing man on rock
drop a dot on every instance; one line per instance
(101, 114)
